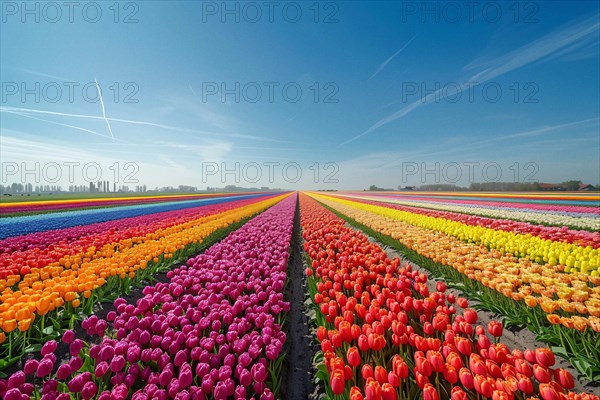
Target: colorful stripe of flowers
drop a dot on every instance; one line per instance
(385, 335)
(535, 248)
(583, 221)
(19, 254)
(213, 331)
(519, 279)
(579, 237)
(72, 204)
(23, 225)
(77, 284)
(587, 204)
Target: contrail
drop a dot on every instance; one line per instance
(57, 123)
(386, 62)
(129, 121)
(103, 111)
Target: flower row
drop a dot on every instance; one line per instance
(386, 335)
(584, 221)
(20, 255)
(518, 279)
(55, 285)
(212, 331)
(534, 248)
(24, 225)
(579, 237)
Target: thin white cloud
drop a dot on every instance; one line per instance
(135, 122)
(103, 110)
(58, 123)
(547, 46)
(386, 62)
(58, 78)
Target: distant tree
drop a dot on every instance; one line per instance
(570, 185)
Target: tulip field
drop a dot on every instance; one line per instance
(406, 295)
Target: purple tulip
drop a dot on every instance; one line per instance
(185, 376)
(16, 380)
(12, 394)
(49, 347)
(63, 372)
(89, 390)
(49, 386)
(44, 367)
(75, 363)
(245, 378)
(259, 373)
(165, 377)
(119, 392)
(101, 369)
(117, 364)
(68, 336)
(30, 366)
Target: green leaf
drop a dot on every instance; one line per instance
(33, 348)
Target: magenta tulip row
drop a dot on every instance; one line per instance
(214, 330)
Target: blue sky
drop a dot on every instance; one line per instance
(383, 91)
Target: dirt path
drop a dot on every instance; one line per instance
(298, 384)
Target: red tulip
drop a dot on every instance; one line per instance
(366, 372)
(380, 374)
(483, 385)
(450, 374)
(502, 395)
(421, 379)
(388, 392)
(353, 356)
(440, 286)
(493, 369)
(393, 379)
(453, 358)
(363, 343)
(429, 392)
(545, 357)
(470, 315)
(548, 392)
(463, 345)
(423, 366)
(373, 389)
(466, 378)
(458, 394)
(564, 378)
(530, 356)
(524, 383)
(436, 360)
(337, 382)
(495, 328)
(355, 393)
(541, 373)
(523, 367)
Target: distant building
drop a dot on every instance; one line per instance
(586, 187)
(550, 186)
